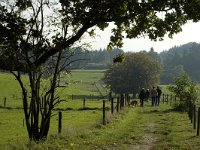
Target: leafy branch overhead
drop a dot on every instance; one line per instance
(59, 25)
(119, 58)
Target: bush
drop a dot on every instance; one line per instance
(186, 90)
(180, 107)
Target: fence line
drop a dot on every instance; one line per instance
(194, 116)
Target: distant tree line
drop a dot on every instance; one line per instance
(180, 59)
(175, 61)
(94, 59)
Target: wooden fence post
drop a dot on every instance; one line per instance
(167, 98)
(192, 113)
(121, 101)
(171, 99)
(117, 104)
(104, 113)
(84, 102)
(42, 103)
(59, 122)
(175, 99)
(125, 97)
(110, 96)
(194, 123)
(198, 122)
(124, 100)
(112, 109)
(190, 110)
(4, 102)
(129, 99)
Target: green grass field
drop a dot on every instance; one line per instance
(156, 128)
(11, 120)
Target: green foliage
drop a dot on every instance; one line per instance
(179, 59)
(23, 4)
(170, 73)
(136, 71)
(53, 31)
(119, 58)
(95, 59)
(154, 55)
(185, 89)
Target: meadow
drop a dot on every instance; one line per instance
(149, 127)
(12, 120)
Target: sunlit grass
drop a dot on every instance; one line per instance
(167, 128)
(83, 129)
(12, 126)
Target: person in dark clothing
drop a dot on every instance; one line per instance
(159, 91)
(147, 95)
(153, 94)
(142, 96)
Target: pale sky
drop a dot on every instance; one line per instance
(190, 33)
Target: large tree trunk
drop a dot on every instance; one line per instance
(40, 133)
(38, 109)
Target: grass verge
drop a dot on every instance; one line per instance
(156, 128)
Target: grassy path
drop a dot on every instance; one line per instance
(147, 128)
(163, 129)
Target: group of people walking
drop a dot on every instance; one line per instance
(154, 94)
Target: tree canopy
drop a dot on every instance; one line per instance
(59, 25)
(138, 70)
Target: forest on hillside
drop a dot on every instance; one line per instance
(175, 61)
(179, 59)
(94, 59)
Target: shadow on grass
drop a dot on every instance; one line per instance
(10, 108)
(87, 97)
(79, 109)
(156, 111)
(61, 109)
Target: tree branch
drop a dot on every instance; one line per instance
(64, 44)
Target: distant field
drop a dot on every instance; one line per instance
(80, 84)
